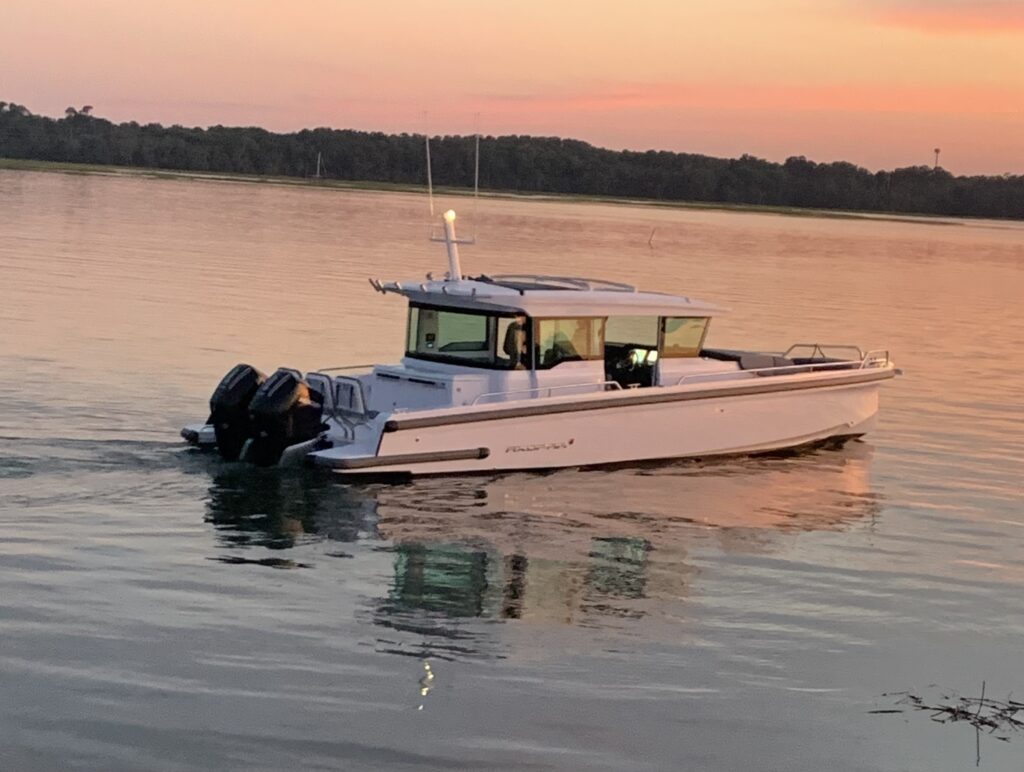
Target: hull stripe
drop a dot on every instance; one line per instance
(413, 422)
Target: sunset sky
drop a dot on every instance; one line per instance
(876, 82)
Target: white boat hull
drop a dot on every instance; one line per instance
(683, 422)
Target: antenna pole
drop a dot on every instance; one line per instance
(476, 179)
(430, 179)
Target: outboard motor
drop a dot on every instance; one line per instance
(229, 408)
(284, 412)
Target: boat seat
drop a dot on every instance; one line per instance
(721, 354)
(320, 387)
(762, 361)
(751, 360)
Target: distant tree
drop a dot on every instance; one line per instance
(541, 164)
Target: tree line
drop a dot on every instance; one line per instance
(508, 163)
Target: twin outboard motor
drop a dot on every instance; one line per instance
(283, 412)
(229, 408)
(256, 418)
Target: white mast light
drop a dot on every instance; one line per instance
(452, 243)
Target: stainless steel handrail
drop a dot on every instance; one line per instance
(604, 385)
(343, 368)
(580, 282)
(877, 357)
(820, 349)
(845, 364)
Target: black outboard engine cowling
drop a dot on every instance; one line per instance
(229, 408)
(284, 412)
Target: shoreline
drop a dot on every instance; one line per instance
(60, 167)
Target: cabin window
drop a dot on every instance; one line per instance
(568, 340)
(461, 337)
(682, 336)
(638, 331)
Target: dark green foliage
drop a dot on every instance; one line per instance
(533, 164)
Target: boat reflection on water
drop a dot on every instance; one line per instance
(277, 511)
(572, 546)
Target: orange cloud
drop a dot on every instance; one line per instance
(990, 18)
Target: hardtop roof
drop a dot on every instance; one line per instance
(542, 296)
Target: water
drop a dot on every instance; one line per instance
(161, 610)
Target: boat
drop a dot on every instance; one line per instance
(531, 372)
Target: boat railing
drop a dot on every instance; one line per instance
(872, 359)
(344, 368)
(594, 385)
(570, 282)
(817, 351)
(878, 357)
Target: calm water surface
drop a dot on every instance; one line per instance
(162, 610)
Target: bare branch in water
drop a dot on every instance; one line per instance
(983, 713)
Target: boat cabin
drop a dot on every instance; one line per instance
(498, 338)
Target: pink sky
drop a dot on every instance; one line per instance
(876, 82)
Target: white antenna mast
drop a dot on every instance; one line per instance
(476, 177)
(430, 179)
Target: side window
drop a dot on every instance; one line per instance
(568, 340)
(682, 336)
(451, 335)
(468, 337)
(412, 342)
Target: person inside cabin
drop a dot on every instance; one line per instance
(515, 343)
(559, 348)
